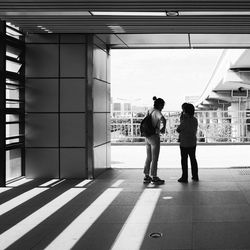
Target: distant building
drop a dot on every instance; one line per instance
(139, 109)
(120, 108)
(124, 108)
(192, 99)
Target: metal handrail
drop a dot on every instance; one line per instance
(214, 127)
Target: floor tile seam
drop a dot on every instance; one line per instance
(247, 223)
(219, 221)
(193, 233)
(161, 205)
(226, 248)
(247, 198)
(222, 206)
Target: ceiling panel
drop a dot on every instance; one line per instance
(65, 16)
(155, 40)
(220, 40)
(112, 39)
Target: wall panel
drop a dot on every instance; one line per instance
(101, 107)
(100, 96)
(42, 163)
(42, 39)
(72, 130)
(41, 95)
(100, 159)
(42, 60)
(73, 163)
(72, 60)
(72, 92)
(100, 131)
(55, 123)
(73, 38)
(41, 130)
(100, 64)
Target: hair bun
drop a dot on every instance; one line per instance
(154, 98)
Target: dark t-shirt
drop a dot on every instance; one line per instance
(188, 130)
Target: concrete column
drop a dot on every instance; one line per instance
(235, 121)
(211, 126)
(220, 115)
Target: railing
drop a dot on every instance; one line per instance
(214, 127)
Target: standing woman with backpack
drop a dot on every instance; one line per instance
(153, 142)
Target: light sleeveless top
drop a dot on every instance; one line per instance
(156, 119)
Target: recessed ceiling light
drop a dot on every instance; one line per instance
(127, 13)
(172, 13)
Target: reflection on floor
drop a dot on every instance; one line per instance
(117, 211)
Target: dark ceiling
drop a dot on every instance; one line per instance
(64, 16)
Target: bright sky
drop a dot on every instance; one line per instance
(138, 75)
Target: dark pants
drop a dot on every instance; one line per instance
(185, 152)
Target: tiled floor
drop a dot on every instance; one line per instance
(116, 211)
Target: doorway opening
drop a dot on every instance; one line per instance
(208, 78)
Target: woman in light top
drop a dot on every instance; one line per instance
(153, 143)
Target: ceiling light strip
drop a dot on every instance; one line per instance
(127, 13)
(171, 13)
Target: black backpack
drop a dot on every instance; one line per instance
(146, 127)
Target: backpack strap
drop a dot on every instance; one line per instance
(151, 112)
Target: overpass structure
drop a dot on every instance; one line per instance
(229, 84)
(226, 95)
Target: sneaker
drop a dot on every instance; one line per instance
(157, 181)
(147, 179)
(183, 180)
(195, 178)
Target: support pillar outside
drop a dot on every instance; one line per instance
(235, 121)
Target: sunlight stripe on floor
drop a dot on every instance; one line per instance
(83, 183)
(69, 237)
(117, 183)
(3, 189)
(19, 182)
(133, 231)
(20, 229)
(48, 183)
(8, 205)
(59, 182)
